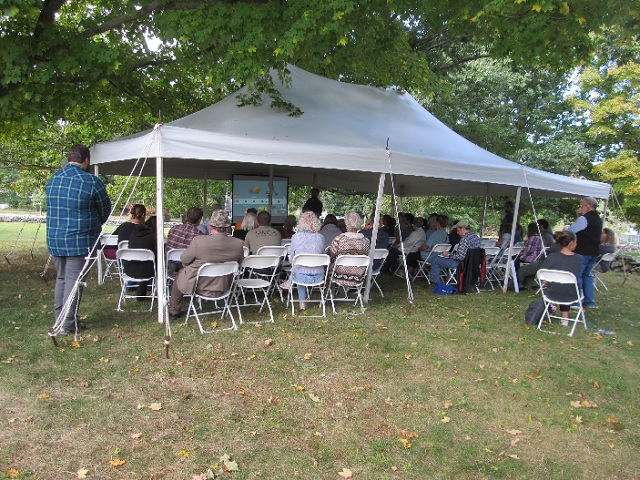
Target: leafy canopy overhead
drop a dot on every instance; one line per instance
(83, 60)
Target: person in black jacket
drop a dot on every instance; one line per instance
(143, 236)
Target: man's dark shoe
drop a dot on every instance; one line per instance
(173, 316)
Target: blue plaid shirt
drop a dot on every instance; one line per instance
(77, 206)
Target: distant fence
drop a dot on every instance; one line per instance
(628, 238)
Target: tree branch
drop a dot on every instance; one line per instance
(47, 15)
(461, 61)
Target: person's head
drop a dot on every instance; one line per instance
(264, 218)
(508, 206)
(219, 222)
(330, 219)
(389, 222)
(249, 222)
(532, 229)
(409, 218)
(151, 223)
(252, 210)
(342, 225)
(418, 223)
(138, 213)
(352, 222)
(441, 222)
(315, 192)
(194, 215)
(608, 236)
(290, 222)
(566, 239)
(81, 155)
(462, 227)
(544, 225)
(588, 204)
(309, 222)
(431, 220)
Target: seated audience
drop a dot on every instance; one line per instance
(217, 247)
(409, 244)
(382, 239)
(330, 229)
(249, 222)
(547, 236)
(180, 236)
(288, 228)
(389, 225)
(532, 246)
(142, 236)
(138, 214)
(238, 225)
(451, 259)
(349, 243)
(306, 240)
(437, 236)
(527, 273)
(262, 236)
(607, 245)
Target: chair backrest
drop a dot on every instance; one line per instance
(491, 251)
(255, 262)
(124, 244)
(380, 253)
(556, 276)
(311, 260)
(472, 270)
(109, 239)
(608, 257)
(246, 251)
(488, 242)
(278, 250)
(352, 261)
(437, 249)
(136, 255)
(174, 254)
(218, 269)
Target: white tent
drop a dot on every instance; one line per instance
(340, 141)
(348, 137)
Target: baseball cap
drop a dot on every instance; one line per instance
(219, 219)
(462, 224)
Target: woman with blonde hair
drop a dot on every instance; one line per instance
(249, 222)
(306, 240)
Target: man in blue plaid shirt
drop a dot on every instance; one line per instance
(77, 207)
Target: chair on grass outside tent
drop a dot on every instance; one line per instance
(546, 277)
(172, 266)
(310, 260)
(254, 280)
(380, 254)
(135, 255)
(424, 265)
(503, 262)
(607, 257)
(108, 253)
(349, 274)
(209, 272)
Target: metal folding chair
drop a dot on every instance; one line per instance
(108, 254)
(546, 277)
(309, 260)
(136, 255)
(378, 254)
(424, 265)
(607, 257)
(352, 266)
(257, 277)
(228, 270)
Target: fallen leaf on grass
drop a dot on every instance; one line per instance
(183, 453)
(75, 344)
(630, 343)
(82, 473)
(268, 342)
(299, 388)
(448, 404)
(313, 397)
(611, 444)
(515, 441)
(11, 473)
(307, 356)
(346, 473)
(445, 419)
(408, 434)
(43, 396)
(596, 385)
(116, 462)
(405, 442)
(136, 436)
(155, 407)
(514, 432)
(394, 469)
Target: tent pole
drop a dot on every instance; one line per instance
(270, 192)
(484, 212)
(374, 235)
(511, 269)
(96, 171)
(204, 195)
(160, 260)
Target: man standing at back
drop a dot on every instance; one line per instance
(588, 230)
(313, 203)
(263, 236)
(77, 207)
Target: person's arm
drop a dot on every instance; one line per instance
(579, 225)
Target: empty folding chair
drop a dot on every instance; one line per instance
(136, 255)
(254, 281)
(310, 260)
(559, 287)
(108, 254)
(379, 257)
(348, 275)
(225, 273)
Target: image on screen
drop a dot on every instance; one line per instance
(253, 191)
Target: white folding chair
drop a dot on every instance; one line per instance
(173, 255)
(488, 242)
(503, 262)
(607, 257)
(546, 277)
(108, 251)
(282, 251)
(378, 254)
(245, 251)
(209, 271)
(493, 256)
(349, 274)
(310, 260)
(136, 255)
(257, 276)
(424, 265)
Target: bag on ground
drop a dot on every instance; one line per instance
(534, 312)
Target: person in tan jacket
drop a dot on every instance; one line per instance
(215, 248)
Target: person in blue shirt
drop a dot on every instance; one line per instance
(77, 207)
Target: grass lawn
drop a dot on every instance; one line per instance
(452, 387)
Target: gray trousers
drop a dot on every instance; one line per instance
(68, 270)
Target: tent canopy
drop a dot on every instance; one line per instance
(346, 137)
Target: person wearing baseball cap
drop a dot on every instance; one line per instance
(217, 247)
(468, 240)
